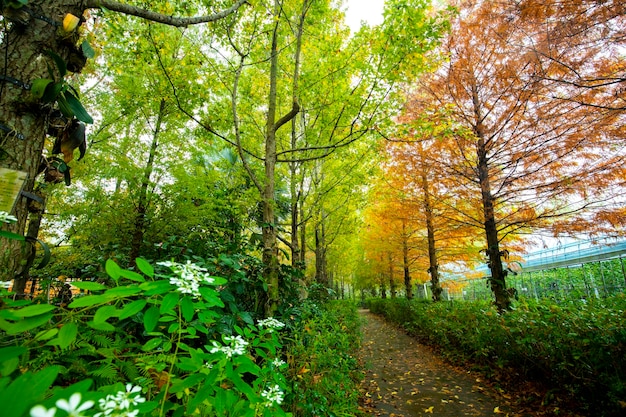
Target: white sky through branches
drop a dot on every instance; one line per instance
(370, 11)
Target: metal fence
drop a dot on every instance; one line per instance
(596, 279)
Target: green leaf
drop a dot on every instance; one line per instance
(64, 106)
(60, 63)
(131, 309)
(145, 267)
(67, 335)
(121, 292)
(106, 327)
(52, 92)
(38, 86)
(211, 296)
(33, 310)
(169, 302)
(88, 301)
(89, 285)
(77, 108)
(190, 381)
(9, 359)
(217, 281)
(151, 344)
(26, 391)
(104, 313)
(131, 275)
(151, 318)
(11, 352)
(113, 269)
(156, 287)
(187, 308)
(88, 51)
(28, 324)
(47, 334)
(11, 235)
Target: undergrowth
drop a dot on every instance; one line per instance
(577, 349)
(324, 370)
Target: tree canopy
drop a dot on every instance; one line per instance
(397, 154)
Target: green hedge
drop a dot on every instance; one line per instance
(578, 348)
(325, 374)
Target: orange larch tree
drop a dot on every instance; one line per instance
(522, 158)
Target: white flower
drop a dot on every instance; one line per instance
(72, 406)
(189, 278)
(271, 324)
(273, 395)
(7, 218)
(237, 346)
(122, 403)
(278, 362)
(41, 411)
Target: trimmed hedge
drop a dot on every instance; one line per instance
(578, 348)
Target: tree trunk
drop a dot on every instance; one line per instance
(23, 47)
(36, 209)
(497, 280)
(408, 288)
(142, 203)
(321, 276)
(392, 283)
(433, 268)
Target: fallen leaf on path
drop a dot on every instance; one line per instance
(429, 409)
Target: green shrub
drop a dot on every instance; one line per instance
(577, 347)
(153, 343)
(324, 371)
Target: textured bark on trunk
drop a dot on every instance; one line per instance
(321, 276)
(497, 280)
(36, 211)
(392, 284)
(433, 268)
(408, 288)
(23, 47)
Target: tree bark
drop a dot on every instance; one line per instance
(392, 283)
(270, 244)
(36, 211)
(321, 276)
(433, 268)
(408, 288)
(23, 47)
(497, 280)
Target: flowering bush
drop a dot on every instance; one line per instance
(152, 345)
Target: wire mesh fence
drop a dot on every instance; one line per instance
(597, 279)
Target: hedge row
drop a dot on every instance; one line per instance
(578, 348)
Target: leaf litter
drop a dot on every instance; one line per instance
(404, 378)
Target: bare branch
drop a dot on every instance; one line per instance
(158, 17)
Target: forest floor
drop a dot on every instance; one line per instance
(404, 378)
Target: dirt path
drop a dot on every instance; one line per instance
(406, 379)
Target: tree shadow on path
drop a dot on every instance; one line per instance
(404, 378)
